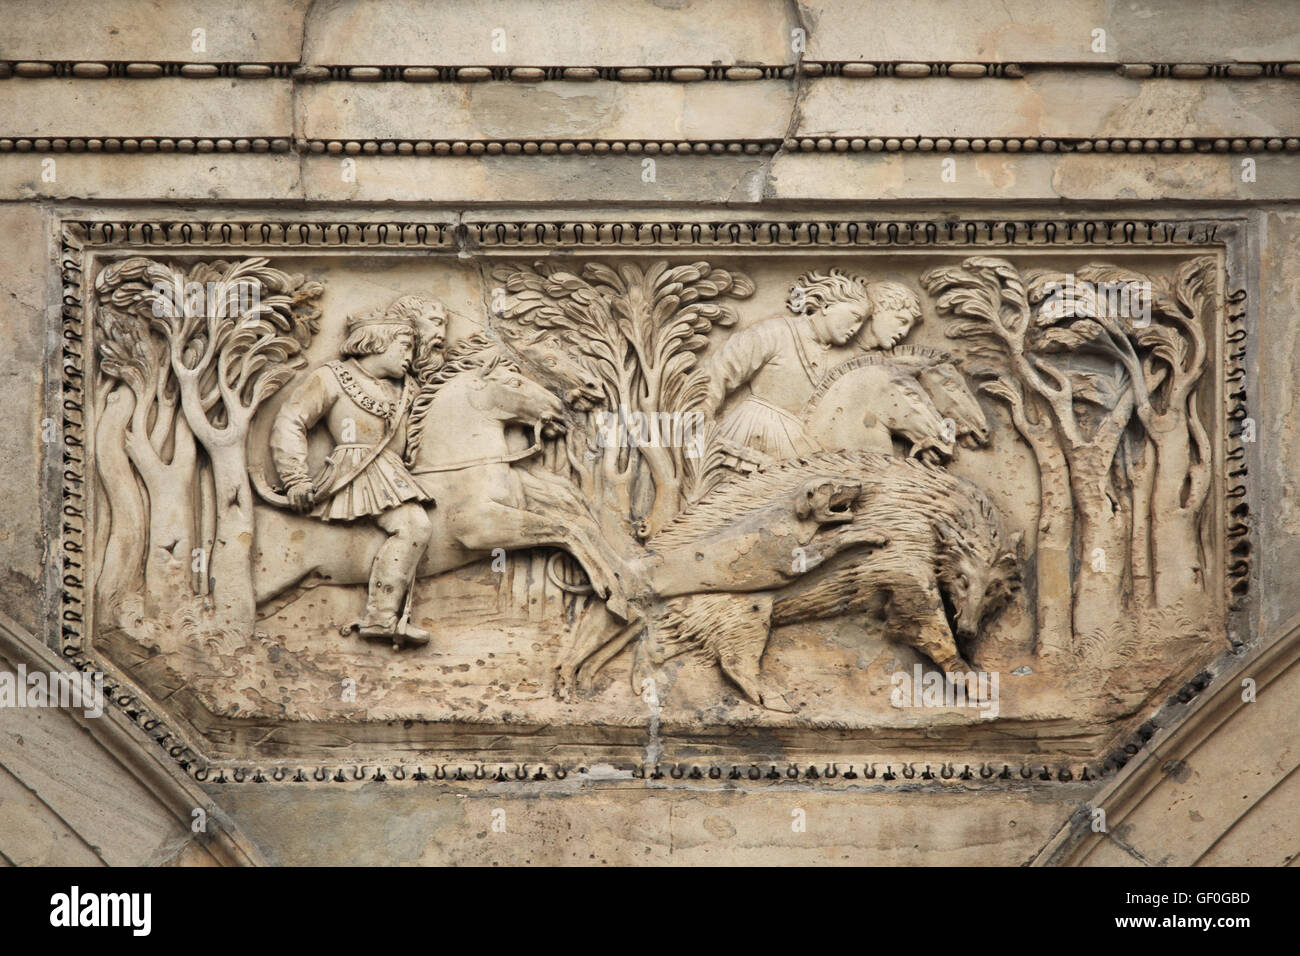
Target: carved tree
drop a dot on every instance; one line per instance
(1173, 354)
(159, 446)
(1077, 378)
(641, 330)
(219, 338)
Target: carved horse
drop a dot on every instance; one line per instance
(916, 393)
(481, 502)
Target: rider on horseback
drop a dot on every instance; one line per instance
(365, 401)
(780, 362)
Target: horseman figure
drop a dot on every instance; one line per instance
(781, 362)
(364, 400)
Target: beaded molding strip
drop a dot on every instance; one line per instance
(899, 771)
(601, 147)
(117, 69)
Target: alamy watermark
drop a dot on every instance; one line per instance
(634, 429)
(73, 690)
(210, 300)
(1111, 300)
(927, 688)
(76, 909)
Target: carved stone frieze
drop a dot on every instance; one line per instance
(721, 497)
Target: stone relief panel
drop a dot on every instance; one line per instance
(584, 501)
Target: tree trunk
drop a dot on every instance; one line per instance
(1052, 549)
(1103, 546)
(614, 511)
(230, 565)
(1175, 540)
(1052, 552)
(667, 487)
(207, 521)
(167, 573)
(124, 554)
(1140, 540)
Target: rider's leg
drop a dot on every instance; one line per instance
(393, 573)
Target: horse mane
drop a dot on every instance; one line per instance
(912, 358)
(464, 355)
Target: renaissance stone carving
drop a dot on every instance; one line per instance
(741, 490)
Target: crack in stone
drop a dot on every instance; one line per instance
(765, 190)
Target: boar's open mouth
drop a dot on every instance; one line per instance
(950, 612)
(842, 500)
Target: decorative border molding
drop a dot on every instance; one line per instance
(71, 525)
(1200, 720)
(473, 73)
(69, 607)
(604, 147)
(1032, 144)
(930, 770)
(658, 233)
(144, 144)
(563, 147)
(122, 69)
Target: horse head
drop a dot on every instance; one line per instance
(543, 355)
(954, 400)
(500, 390)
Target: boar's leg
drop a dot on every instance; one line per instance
(738, 641)
(914, 616)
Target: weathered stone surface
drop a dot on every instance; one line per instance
(551, 32)
(177, 108)
(646, 827)
(1048, 104)
(551, 178)
(1024, 176)
(24, 289)
(1024, 31)
(553, 110)
(1280, 463)
(203, 177)
(251, 31)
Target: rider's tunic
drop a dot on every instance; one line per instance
(780, 362)
(357, 417)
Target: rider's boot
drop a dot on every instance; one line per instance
(391, 577)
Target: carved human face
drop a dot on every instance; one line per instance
(432, 324)
(887, 328)
(840, 321)
(393, 361)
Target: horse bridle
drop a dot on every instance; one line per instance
(528, 452)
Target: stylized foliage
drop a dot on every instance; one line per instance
(1075, 372)
(641, 330)
(218, 338)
